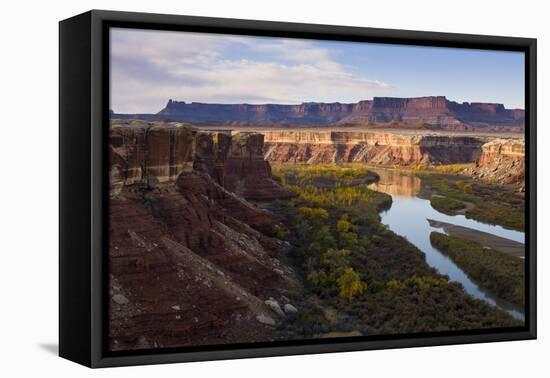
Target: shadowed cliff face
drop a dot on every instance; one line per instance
(237, 162)
(152, 153)
(433, 111)
(369, 147)
(141, 151)
(191, 259)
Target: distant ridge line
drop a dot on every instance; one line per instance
(429, 111)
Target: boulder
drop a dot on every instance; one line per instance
(274, 306)
(120, 299)
(290, 309)
(264, 319)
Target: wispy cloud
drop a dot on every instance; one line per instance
(149, 67)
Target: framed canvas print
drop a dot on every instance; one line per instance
(233, 188)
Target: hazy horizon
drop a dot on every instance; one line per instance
(150, 67)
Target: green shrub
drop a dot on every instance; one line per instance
(446, 205)
(497, 271)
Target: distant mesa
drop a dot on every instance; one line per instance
(435, 112)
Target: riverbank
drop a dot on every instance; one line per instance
(508, 246)
(376, 281)
(408, 216)
(489, 203)
(502, 273)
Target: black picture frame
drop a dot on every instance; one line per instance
(83, 199)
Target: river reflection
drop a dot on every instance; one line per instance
(408, 217)
(397, 184)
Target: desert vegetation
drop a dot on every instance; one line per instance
(447, 205)
(358, 275)
(488, 203)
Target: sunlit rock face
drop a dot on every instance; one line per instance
(502, 161)
(505, 148)
(315, 147)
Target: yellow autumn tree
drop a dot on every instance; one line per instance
(350, 284)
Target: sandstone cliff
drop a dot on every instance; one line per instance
(142, 151)
(191, 259)
(502, 161)
(237, 162)
(372, 147)
(431, 111)
(154, 152)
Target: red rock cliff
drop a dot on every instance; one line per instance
(140, 151)
(434, 111)
(191, 260)
(152, 152)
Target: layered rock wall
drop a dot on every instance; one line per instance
(142, 151)
(434, 111)
(502, 161)
(151, 153)
(370, 147)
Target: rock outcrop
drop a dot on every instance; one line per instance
(237, 162)
(501, 161)
(432, 112)
(142, 151)
(151, 153)
(372, 147)
(192, 261)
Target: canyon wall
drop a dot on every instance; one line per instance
(152, 153)
(192, 256)
(431, 111)
(314, 147)
(191, 260)
(501, 161)
(496, 159)
(142, 151)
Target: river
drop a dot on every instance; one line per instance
(408, 216)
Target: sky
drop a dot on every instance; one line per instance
(150, 67)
